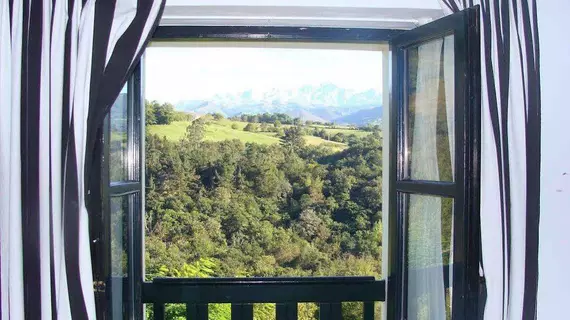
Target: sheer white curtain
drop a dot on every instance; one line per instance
(431, 158)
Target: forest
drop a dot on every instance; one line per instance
(232, 208)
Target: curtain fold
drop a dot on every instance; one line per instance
(510, 153)
(60, 61)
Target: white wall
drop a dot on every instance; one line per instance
(554, 252)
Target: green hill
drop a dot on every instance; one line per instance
(342, 129)
(219, 130)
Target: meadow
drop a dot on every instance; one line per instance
(225, 129)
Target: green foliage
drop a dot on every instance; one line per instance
(195, 133)
(156, 113)
(293, 138)
(251, 127)
(202, 268)
(150, 112)
(228, 129)
(218, 116)
(229, 208)
(265, 118)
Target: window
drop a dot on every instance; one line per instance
(123, 201)
(195, 165)
(434, 170)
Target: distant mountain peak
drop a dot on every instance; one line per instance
(325, 101)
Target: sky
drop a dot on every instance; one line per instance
(174, 74)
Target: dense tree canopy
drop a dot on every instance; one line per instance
(282, 118)
(263, 210)
(156, 113)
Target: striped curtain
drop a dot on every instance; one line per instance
(62, 63)
(510, 176)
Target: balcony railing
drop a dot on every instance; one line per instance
(286, 292)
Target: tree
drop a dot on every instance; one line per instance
(164, 113)
(218, 116)
(310, 226)
(339, 137)
(251, 127)
(293, 138)
(183, 116)
(203, 268)
(150, 112)
(235, 126)
(288, 209)
(195, 132)
(264, 127)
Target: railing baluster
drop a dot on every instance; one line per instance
(330, 311)
(158, 310)
(286, 311)
(242, 311)
(369, 310)
(196, 311)
(285, 292)
(324, 311)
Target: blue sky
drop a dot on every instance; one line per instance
(173, 74)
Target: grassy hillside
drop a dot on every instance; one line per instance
(344, 130)
(222, 130)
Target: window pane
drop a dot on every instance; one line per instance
(428, 252)
(118, 141)
(118, 219)
(119, 235)
(430, 111)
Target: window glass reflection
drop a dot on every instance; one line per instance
(428, 255)
(118, 140)
(430, 111)
(119, 253)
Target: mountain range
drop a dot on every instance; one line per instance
(326, 102)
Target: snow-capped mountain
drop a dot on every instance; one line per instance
(325, 102)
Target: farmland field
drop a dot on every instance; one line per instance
(224, 129)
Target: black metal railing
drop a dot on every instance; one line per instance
(286, 292)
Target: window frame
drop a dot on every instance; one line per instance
(465, 187)
(133, 185)
(183, 34)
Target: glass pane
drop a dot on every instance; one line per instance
(428, 251)
(119, 149)
(430, 111)
(119, 253)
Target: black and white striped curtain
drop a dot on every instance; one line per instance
(62, 64)
(510, 176)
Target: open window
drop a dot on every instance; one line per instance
(118, 247)
(434, 167)
(430, 210)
